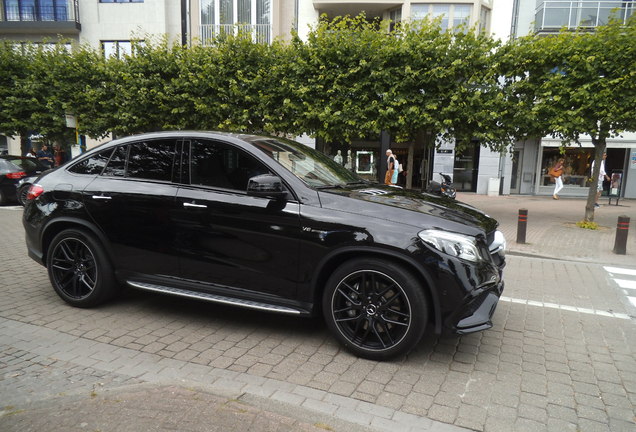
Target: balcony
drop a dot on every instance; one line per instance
(552, 16)
(261, 33)
(371, 9)
(29, 17)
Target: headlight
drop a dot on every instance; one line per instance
(453, 244)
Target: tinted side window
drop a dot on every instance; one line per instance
(222, 165)
(151, 160)
(92, 165)
(25, 164)
(117, 165)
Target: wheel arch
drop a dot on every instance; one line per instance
(60, 224)
(331, 262)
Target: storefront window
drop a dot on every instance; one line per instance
(577, 165)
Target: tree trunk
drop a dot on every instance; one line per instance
(599, 149)
(25, 144)
(409, 166)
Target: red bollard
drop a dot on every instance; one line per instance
(622, 228)
(522, 224)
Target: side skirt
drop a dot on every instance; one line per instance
(214, 298)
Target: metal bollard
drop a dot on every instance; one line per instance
(622, 228)
(522, 224)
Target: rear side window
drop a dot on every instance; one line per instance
(26, 164)
(6, 166)
(151, 160)
(92, 165)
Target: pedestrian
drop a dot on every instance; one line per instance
(396, 170)
(45, 156)
(557, 173)
(390, 164)
(602, 175)
(32, 153)
(59, 156)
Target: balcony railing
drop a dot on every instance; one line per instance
(555, 15)
(261, 33)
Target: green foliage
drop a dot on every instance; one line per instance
(351, 78)
(587, 225)
(578, 82)
(13, 72)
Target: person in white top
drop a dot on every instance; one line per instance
(602, 175)
(390, 162)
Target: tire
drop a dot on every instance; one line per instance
(79, 270)
(22, 194)
(376, 309)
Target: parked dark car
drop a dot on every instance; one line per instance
(12, 170)
(268, 224)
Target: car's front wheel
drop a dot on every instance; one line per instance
(376, 309)
(79, 269)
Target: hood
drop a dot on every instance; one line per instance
(409, 207)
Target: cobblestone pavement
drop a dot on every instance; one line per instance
(552, 231)
(560, 357)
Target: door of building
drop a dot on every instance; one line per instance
(466, 168)
(515, 175)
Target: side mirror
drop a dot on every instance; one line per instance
(266, 186)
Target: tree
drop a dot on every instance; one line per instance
(575, 83)
(339, 78)
(40, 84)
(13, 72)
(442, 83)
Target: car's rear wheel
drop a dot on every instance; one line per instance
(376, 309)
(79, 269)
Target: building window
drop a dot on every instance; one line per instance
(221, 17)
(484, 20)
(395, 16)
(577, 165)
(37, 10)
(44, 46)
(452, 15)
(119, 49)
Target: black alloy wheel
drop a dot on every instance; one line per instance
(376, 309)
(79, 270)
(23, 191)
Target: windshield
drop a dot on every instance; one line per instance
(309, 165)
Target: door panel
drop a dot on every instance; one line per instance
(132, 201)
(227, 238)
(135, 216)
(233, 240)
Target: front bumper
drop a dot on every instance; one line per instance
(479, 314)
(471, 292)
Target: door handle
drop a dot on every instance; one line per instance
(192, 205)
(102, 197)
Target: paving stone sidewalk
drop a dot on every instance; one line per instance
(552, 231)
(560, 357)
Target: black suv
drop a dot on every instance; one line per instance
(268, 224)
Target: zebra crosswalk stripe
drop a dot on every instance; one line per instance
(628, 286)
